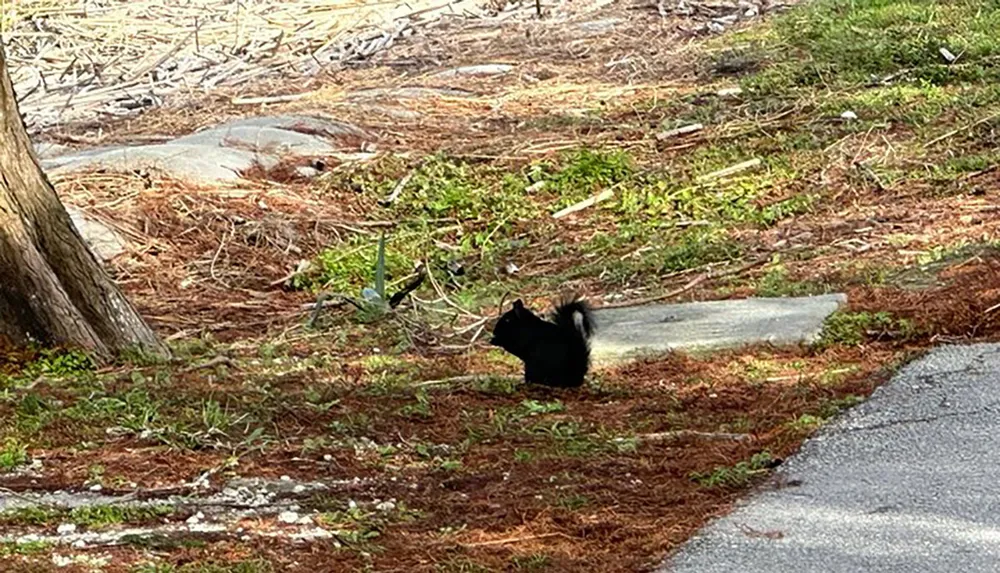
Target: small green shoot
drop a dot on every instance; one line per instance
(736, 476)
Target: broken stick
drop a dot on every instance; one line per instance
(589, 202)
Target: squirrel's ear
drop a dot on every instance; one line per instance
(518, 307)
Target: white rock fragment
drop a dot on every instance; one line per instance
(289, 517)
(66, 528)
(535, 187)
(683, 130)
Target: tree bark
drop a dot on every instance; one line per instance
(52, 288)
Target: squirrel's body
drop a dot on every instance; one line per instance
(555, 353)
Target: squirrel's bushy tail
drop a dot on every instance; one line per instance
(566, 313)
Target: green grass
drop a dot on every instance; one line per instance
(854, 328)
(777, 283)
(24, 549)
(844, 49)
(735, 476)
(358, 528)
(144, 407)
(483, 215)
(92, 516)
(847, 42)
(533, 562)
(49, 363)
(12, 454)
(100, 516)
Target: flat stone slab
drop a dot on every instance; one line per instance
(214, 155)
(201, 164)
(906, 482)
(712, 325)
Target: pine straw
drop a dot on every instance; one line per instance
(206, 258)
(69, 61)
(217, 260)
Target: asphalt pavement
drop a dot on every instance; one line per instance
(906, 482)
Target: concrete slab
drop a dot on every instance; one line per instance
(650, 329)
(906, 482)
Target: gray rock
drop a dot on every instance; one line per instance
(393, 112)
(651, 329)
(307, 171)
(102, 240)
(280, 135)
(200, 164)
(46, 149)
(599, 26)
(219, 154)
(314, 124)
(905, 482)
(270, 140)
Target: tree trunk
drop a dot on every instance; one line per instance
(52, 289)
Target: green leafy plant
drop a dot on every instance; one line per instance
(12, 454)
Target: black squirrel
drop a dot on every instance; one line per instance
(555, 353)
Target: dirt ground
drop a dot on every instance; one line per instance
(482, 473)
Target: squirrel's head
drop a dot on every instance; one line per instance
(505, 330)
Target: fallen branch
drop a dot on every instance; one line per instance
(269, 99)
(400, 185)
(465, 379)
(324, 300)
(683, 130)
(444, 297)
(218, 360)
(589, 202)
(732, 170)
(411, 286)
(681, 434)
(954, 132)
(515, 539)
